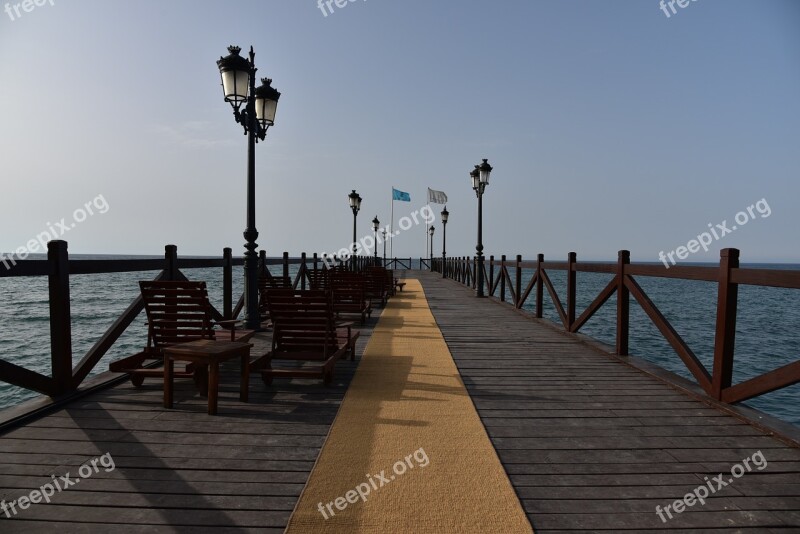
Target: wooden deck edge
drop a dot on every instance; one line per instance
(32, 409)
(787, 433)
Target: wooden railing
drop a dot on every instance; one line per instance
(718, 382)
(65, 379)
(398, 263)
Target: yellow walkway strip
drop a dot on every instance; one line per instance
(408, 452)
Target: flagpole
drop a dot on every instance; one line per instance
(426, 229)
(427, 234)
(391, 230)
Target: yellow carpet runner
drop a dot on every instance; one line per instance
(408, 452)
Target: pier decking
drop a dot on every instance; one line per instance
(589, 443)
(177, 470)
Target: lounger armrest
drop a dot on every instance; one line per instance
(345, 324)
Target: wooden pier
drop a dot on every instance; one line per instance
(589, 442)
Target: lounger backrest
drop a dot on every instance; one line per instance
(348, 289)
(318, 279)
(177, 312)
(375, 283)
(303, 321)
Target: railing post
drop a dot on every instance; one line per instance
(285, 265)
(171, 262)
(490, 283)
(227, 283)
(315, 259)
(262, 263)
(623, 304)
(471, 266)
(725, 339)
(302, 271)
(502, 278)
(60, 321)
(572, 278)
(539, 286)
(518, 282)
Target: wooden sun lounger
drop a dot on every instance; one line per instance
(177, 312)
(305, 329)
(377, 285)
(348, 292)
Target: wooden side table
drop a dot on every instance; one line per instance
(209, 353)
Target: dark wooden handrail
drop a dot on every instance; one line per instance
(728, 276)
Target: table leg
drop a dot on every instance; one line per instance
(168, 368)
(213, 387)
(244, 388)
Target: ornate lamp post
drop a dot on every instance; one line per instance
(375, 225)
(445, 215)
(431, 230)
(480, 179)
(355, 205)
(239, 87)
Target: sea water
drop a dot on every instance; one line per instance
(767, 334)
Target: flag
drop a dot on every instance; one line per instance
(400, 195)
(436, 197)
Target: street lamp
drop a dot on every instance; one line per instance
(480, 179)
(445, 215)
(239, 87)
(431, 230)
(383, 232)
(375, 225)
(355, 205)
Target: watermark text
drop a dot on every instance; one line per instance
(58, 483)
(702, 492)
(374, 483)
(715, 233)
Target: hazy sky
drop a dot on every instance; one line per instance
(609, 124)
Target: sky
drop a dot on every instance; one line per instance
(609, 125)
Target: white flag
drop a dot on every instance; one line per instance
(436, 197)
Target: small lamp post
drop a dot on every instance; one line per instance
(239, 87)
(431, 230)
(355, 205)
(445, 215)
(375, 225)
(480, 179)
